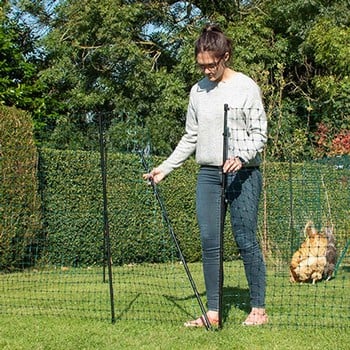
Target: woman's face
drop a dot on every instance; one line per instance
(212, 66)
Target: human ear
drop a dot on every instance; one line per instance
(226, 56)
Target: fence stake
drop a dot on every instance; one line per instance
(106, 236)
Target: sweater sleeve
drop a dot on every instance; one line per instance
(186, 146)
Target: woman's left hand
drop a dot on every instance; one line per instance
(233, 164)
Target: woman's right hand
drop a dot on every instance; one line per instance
(156, 175)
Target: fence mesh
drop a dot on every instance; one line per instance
(51, 282)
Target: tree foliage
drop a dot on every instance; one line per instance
(17, 73)
(132, 62)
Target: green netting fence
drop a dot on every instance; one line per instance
(64, 269)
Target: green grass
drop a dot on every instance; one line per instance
(50, 333)
(54, 309)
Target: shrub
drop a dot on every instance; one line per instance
(20, 209)
(74, 222)
(73, 210)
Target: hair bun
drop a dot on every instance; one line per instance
(214, 40)
(212, 28)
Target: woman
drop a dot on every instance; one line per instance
(204, 135)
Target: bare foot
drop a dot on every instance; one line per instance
(256, 317)
(213, 318)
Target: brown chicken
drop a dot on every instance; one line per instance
(309, 261)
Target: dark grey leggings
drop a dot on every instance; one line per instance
(243, 193)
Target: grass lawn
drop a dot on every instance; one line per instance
(70, 309)
(55, 333)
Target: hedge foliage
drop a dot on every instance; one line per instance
(73, 210)
(295, 193)
(20, 224)
(73, 220)
(72, 200)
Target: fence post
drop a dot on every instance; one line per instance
(106, 236)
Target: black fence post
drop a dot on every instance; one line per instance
(107, 258)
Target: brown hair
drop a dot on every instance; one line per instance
(213, 39)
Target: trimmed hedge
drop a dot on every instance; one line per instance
(72, 209)
(20, 203)
(71, 185)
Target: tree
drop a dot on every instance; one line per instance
(16, 72)
(315, 73)
(329, 43)
(100, 59)
(132, 62)
(21, 62)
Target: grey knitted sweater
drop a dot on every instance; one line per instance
(246, 122)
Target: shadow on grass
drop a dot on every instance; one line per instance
(176, 301)
(235, 297)
(127, 309)
(345, 268)
(232, 297)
